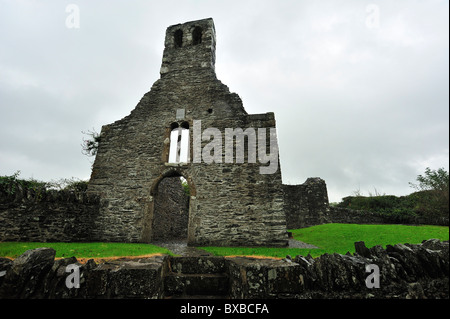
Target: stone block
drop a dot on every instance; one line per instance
(24, 279)
(263, 278)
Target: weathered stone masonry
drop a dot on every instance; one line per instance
(306, 204)
(132, 194)
(48, 216)
(406, 272)
(230, 203)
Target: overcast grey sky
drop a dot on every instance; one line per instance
(359, 88)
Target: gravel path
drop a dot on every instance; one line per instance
(180, 247)
(299, 244)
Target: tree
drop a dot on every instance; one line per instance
(434, 189)
(433, 180)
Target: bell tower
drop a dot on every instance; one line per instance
(189, 46)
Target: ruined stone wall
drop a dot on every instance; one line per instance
(306, 204)
(351, 216)
(59, 216)
(231, 204)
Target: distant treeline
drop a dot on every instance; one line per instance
(428, 203)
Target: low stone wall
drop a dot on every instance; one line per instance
(62, 216)
(405, 272)
(37, 275)
(351, 216)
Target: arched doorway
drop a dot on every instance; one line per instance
(169, 210)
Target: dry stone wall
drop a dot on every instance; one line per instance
(60, 216)
(351, 216)
(405, 272)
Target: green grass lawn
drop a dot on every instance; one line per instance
(82, 250)
(330, 238)
(340, 238)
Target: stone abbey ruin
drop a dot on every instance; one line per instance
(232, 201)
(190, 126)
(187, 126)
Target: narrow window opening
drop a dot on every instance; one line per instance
(185, 125)
(173, 126)
(197, 36)
(178, 38)
(179, 145)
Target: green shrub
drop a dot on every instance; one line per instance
(11, 184)
(393, 208)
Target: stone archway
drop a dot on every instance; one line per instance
(170, 210)
(168, 215)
